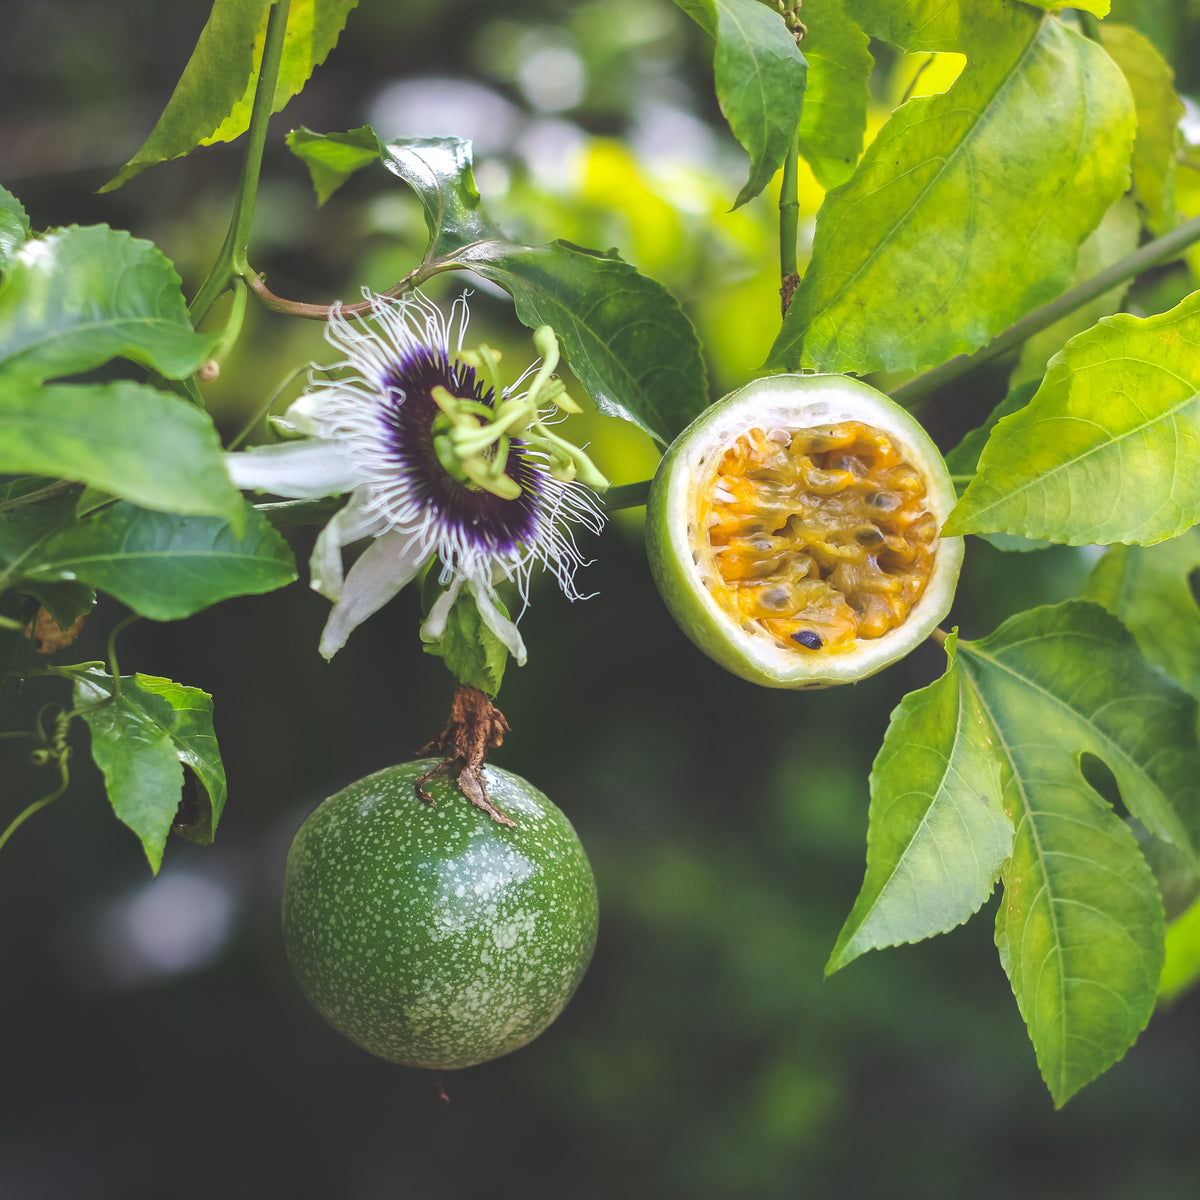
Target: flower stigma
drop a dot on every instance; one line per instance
(444, 466)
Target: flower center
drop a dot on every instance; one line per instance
(472, 439)
(817, 537)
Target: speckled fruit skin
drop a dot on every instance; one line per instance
(432, 935)
(789, 402)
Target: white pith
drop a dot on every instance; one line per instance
(795, 402)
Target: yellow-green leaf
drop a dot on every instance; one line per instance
(967, 210)
(1159, 110)
(212, 101)
(1109, 448)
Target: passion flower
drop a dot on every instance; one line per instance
(428, 933)
(442, 463)
(793, 527)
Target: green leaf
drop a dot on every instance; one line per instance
(31, 508)
(439, 171)
(1115, 238)
(213, 82)
(1159, 111)
(703, 12)
(141, 741)
(1098, 8)
(760, 76)
(212, 101)
(332, 158)
(1176, 875)
(473, 654)
(967, 210)
(30, 511)
(944, 25)
(130, 440)
(1148, 590)
(622, 334)
(1080, 930)
(834, 117)
(14, 227)
(937, 26)
(1109, 448)
(1107, 701)
(937, 834)
(1181, 963)
(75, 298)
(963, 461)
(163, 566)
(66, 602)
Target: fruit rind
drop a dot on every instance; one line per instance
(788, 402)
(431, 935)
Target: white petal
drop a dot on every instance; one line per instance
(303, 470)
(498, 623)
(390, 562)
(350, 523)
(434, 628)
(302, 412)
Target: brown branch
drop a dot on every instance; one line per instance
(320, 312)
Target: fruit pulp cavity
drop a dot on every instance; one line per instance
(815, 537)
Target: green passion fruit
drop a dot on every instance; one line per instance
(430, 934)
(792, 530)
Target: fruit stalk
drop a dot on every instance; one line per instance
(475, 726)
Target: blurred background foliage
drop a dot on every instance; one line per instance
(153, 1042)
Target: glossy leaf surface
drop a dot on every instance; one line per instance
(14, 227)
(439, 170)
(75, 298)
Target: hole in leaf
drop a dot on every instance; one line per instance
(1095, 771)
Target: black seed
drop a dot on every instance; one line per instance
(868, 535)
(808, 638)
(888, 501)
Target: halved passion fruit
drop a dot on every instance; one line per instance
(792, 530)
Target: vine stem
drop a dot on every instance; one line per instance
(38, 805)
(789, 222)
(915, 391)
(320, 312)
(231, 259)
